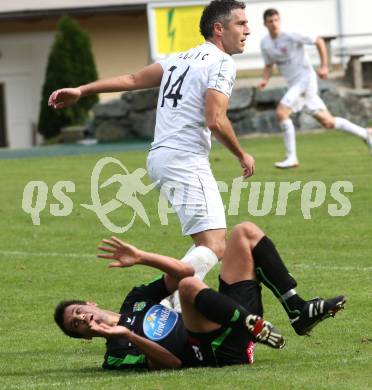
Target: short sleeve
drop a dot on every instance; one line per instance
(162, 63)
(265, 55)
(153, 291)
(221, 75)
(303, 39)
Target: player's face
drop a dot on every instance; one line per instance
(235, 33)
(77, 318)
(273, 24)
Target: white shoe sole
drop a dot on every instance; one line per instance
(279, 166)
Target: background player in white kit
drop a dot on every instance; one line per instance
(194, 90)
(287, 51)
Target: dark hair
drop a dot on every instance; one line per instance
(217, 11)
(270, 12)
(59, 315)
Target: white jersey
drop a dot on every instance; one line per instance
(180, 115)
(288, 53)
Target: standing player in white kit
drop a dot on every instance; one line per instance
(286, 50)
(195, 87)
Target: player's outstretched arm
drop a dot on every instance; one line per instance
(266, 75)
(126, 255)
(217, 121)
(322, 50)
(148, 77)
(157, 356)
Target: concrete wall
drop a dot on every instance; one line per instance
(22, 67)
(119, 43)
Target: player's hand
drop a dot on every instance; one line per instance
(63, 98)
(108, 331)
(125, 254)
(262, 84)
(323, 72)
(248, 164)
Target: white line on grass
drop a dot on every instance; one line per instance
(85, 255)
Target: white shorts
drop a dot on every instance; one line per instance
(186, 180)
(304, 94)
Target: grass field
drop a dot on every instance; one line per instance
(40, 265)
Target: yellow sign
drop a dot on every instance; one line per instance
(176, 28)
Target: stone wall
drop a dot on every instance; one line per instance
(250, 111)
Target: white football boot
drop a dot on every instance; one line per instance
(369, 139)
(289, 162)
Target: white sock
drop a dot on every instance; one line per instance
(192, 247)
(345, 125)
(289, 138)
(202, 259)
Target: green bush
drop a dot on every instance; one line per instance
(70, 64)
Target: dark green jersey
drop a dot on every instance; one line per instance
(142, 314)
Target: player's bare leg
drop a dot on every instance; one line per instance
(212, 239)
(192, 318)
(327, 120)
(238, 264)
(283, 114)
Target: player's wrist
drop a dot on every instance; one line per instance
(130, 336)
(125, 332)
(243, 156)
(82, 91)
(141, 257)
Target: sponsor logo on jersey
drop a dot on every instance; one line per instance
(139, 306)
(159, 321)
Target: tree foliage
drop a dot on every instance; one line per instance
(70, 64)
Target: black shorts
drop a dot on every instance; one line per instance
(226, 346)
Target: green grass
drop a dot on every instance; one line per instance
(40, 265)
